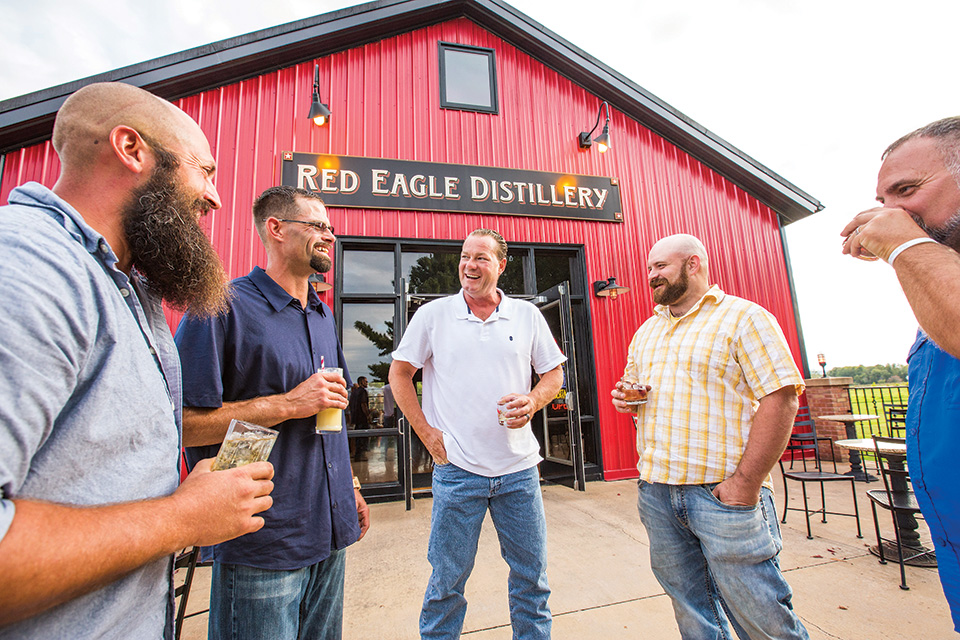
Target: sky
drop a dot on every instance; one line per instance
(813, 89)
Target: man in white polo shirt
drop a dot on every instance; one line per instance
(476, 349)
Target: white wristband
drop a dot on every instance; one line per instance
(906, 245)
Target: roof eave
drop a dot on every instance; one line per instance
(28, 119)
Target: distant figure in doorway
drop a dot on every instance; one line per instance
(722, 399)
(916, 229)
(477, 348)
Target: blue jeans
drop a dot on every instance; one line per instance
(718, 563)
(460, 502)
(250, 603)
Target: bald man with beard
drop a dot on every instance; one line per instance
(91, 508)
(722, 398)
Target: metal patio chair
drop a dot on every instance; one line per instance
(821, 477)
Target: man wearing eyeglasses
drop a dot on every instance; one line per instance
(258, 362)
(91, 507)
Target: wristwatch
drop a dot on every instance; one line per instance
(356, 483)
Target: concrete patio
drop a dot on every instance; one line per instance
(602, 585)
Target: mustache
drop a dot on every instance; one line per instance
(657, 282)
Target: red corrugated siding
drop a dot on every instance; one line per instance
(385, 96)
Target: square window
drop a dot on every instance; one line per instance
(468, 78)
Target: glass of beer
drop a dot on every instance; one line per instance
(330, 420)
(635, 392)
(244, 443)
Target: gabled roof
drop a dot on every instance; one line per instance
(28, 119)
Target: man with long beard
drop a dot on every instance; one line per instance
(91, 511)
(917, 231)
(259, 362)
(722, 398)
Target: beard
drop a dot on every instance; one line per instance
(673, 291)
(948, 234)
(168, 247)
(321, 263)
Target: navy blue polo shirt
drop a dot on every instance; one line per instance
(267, 344)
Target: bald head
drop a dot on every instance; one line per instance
(682, 246)
(84, 122)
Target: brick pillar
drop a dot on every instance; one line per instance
(829, 396)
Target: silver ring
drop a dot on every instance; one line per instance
(527, 416)
(856, 231)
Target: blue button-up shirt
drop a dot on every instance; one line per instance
(89, 400)
(268, 344)
(933, 439)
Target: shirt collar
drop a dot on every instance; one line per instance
(277, 295)
(33, 194)
(713, 293)
(503, 309)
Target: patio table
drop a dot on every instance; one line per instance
(850, 421)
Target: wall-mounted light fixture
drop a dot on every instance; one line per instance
(822, 361)
(602, 140)
(319, 112)
(608, 288)
(319, 283)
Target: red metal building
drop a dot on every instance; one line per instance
(398, 110)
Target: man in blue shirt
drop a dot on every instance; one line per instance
(258, 362)
(90, 509)
(917, 230)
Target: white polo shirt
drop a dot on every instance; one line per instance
(468, 364)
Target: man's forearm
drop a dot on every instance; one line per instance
(82, 549)
(209, 426)
(405, 395)
(547, 387)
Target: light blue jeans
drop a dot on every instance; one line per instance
(718, 563)
(460, 502)
(254, 604)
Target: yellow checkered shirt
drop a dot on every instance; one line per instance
(707, 370)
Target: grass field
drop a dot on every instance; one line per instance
(875, 400)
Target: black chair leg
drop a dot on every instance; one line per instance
(903, 571)
(786, 500)
(876, 525)
(806, 509)
(823, 503)
(856, 509)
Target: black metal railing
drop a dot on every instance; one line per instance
(888, 403)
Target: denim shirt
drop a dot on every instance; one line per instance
(89, 400)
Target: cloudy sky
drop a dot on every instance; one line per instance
(814, 89)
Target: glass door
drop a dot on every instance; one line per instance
(558, 426)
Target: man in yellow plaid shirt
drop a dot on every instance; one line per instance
(722, 396)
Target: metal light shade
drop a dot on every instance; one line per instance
(319, 112)
(603, 140)
(609, 288)
(319, 283)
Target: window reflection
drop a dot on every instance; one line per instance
(374, 459)
(368, 340)
(551, 270)
(368, 271)
(431, 272)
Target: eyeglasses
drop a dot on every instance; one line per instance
(321, 227)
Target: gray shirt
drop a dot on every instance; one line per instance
(89, 400)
